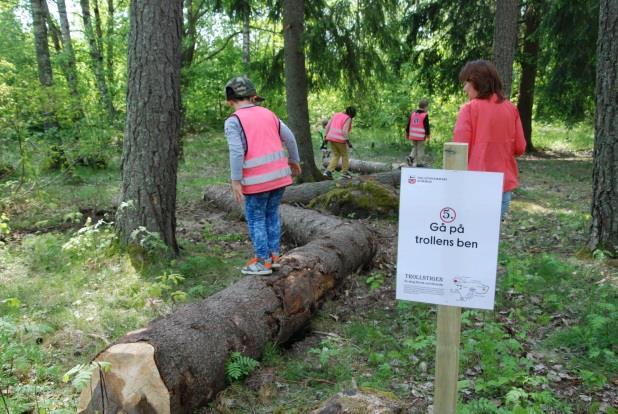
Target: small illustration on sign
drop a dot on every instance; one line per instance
(412, 180)
(448, 215)
(468, 289)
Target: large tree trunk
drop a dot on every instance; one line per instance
(177, 363)
(150, 151)
(604, 225)
(43, 61)
(69, 54)
(528, 71)
(96, 60)
(304, 193)
(505, 40)
(296, 86)
(365, 167)
(40, 43)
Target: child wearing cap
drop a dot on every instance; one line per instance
(418, 132)
(260, 170)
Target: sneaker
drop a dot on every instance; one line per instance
(346, 175)
(255, 267)
(274, 260)
(328, 174)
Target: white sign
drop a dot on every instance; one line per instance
(449, 228)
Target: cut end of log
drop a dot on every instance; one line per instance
(132, 384)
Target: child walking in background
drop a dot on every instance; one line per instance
(338, 134)
(260, 170)
(418, 132)
(321, 133)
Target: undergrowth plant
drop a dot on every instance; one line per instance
(239, 366)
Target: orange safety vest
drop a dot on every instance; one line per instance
(266, 165)
(417, 126)
(336, 131)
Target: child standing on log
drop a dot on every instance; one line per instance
(338, 134)
(260, 170)
(418, 132)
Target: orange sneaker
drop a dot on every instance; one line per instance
(274, 259)
(256, 267)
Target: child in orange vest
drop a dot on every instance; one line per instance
(337, 133)
(418, 132)
(260, 170)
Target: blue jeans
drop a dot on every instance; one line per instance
(262, 215)
(506, 201)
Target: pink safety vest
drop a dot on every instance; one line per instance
(336, 131)
(417, 126)
(266, 165)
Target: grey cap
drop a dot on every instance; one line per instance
(241, 87)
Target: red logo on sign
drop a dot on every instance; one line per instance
(412, 180)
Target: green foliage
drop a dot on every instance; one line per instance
(239, 366)
(80, 375)
(165, 287)
(375, 280)
(93, 241)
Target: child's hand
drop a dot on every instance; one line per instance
(237, 191)
(296, 170)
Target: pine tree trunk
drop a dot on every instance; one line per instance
(189, 34)
(177, 363)
(246, 37)
(528, 71)
(109, 53)
(43, 61)
(296, 86)
(505, 40)
(67, 45)
(604, 225)
(150, 152)
(40, 42)
(96, 60)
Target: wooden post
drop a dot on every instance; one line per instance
(455, 157)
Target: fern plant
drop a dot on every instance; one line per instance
(239, 366)
(81, 373)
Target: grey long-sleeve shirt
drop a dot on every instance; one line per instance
(237, 142)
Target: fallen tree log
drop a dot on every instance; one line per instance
(304, 193)
(365, 167)
(177, 363)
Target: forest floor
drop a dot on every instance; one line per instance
(550, 345)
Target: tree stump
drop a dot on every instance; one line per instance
(177, 363)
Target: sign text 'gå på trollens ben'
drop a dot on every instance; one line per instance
(449, 226)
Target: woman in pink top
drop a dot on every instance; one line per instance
(490, 125)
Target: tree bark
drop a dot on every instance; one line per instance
(43, 60)
(304, 193)
(96, 60)
(150, 150)
(365, 167)
(296, 86)
(109, 52)
(69, 53)
(604, 225)
(246, 36)
(185, 352)
(528, 71)
(505, 40)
